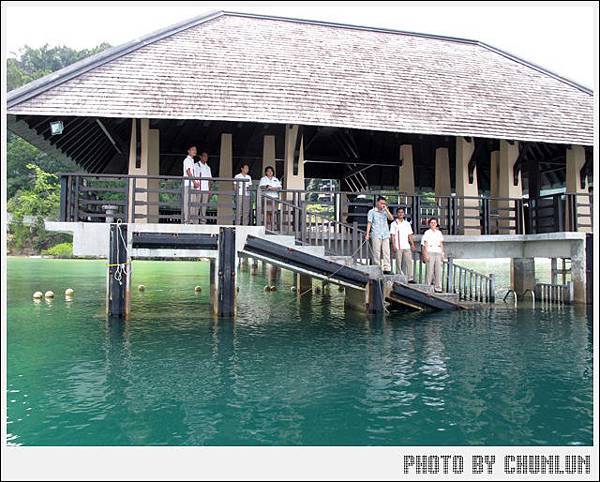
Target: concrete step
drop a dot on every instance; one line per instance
(314, 250)
(453, 297)
(282, 239)
(345, 260)
(422, 287)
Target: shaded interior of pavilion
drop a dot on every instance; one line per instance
(359, 161)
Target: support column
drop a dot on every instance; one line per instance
(226, 276)
(356, 299)
(522, 275)
(117, 286)
(144, 160)
(578, 271)
(225, 201)
(509, 153)
(293, 167)
(268, 158)
(406, 172)
(468, 208)
(575, 162)
(303, 283)
(443, 186)
(494, 175)
(442, 172)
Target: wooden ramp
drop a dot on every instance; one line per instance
(420, 297)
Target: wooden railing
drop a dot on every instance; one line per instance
(311, 228)
(469, 284)
(158, 199)
(100, 197)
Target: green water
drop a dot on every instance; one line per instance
(286, 372)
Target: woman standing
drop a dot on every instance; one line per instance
(271, 186)
(432, 246)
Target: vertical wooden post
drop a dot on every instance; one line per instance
(226, 275)
(63, 198)
(117, 295)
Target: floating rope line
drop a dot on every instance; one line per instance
(336, 271)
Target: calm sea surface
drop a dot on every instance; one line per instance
(287, 371)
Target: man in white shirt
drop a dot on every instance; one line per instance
(432, 245)
(190, 212)
(403, 244)
(244, 183)
(202, 169)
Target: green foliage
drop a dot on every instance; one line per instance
(62, 250)
(41, 201)
(32, 188)
(34, 63)
(34, 205)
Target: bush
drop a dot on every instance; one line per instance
(62, 250)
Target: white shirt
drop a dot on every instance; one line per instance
(273, 182)
(244, 187)
(433, 240)
(202, 170)
(188, 163)
(399, 231)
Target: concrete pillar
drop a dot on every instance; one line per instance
(344, 207)
(144, 160)
(303, 283)
(509, 153)
(355, 299)
(406, 172)
(268, 154)
(522, 275)
(293, 180)
(575, 162)
(578, 271)
(442, 172)
(442, 186)
(273, 274)
(494, 174)
(467, 207)
(225, 201)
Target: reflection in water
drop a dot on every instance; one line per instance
(288, 370)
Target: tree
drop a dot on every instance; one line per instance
(37, 204)
(31, 64)
(32, 188)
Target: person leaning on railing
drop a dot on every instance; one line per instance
(270, 186)
(432, 247)
(244, 183)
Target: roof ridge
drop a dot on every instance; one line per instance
(69, 72)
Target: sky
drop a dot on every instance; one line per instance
(560, 38)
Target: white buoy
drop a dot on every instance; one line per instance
(141, 287)
(198, 289)
(49, 294)
(69, 292)
(294, 289)
(38, 295)
(267, 288)
(273, 288)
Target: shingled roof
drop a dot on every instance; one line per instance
(241, 67)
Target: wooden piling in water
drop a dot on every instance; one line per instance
(117, 293)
